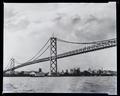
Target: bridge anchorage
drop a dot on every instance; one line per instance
(53, 56)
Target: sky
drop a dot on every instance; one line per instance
(27, 27)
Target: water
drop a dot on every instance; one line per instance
(107, 84)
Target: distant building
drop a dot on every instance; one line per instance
(89, 70)
(62, 72)
(8, 72)
(75, 71)
(40, 70)
(49, 74)
(109, 72)
(66, 71)
(27, 72)
(104, 72)
(32, 73)
(16, 72)
(95, 71)
(71, 71)
(40, 74)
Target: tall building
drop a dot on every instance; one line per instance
(71, 71)
(40, 70)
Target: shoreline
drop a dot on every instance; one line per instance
(60, 76)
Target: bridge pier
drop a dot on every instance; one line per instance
(53, 56)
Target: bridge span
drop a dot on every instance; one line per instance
(98, 46)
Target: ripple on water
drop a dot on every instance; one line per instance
(61, 85)
(9, 87)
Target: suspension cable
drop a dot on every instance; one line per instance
(39, 51)
(81, 43)
(42, 52)
(8, 64)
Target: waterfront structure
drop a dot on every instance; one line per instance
(72, 72)
(40, 74)
(62, 72)
(32, 73)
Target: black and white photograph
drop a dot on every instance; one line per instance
(60, 48)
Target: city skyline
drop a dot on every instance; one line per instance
(24, 36)
(66, 72)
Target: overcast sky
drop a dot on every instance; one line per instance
(27, 27)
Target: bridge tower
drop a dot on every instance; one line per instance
(12, 64)
(53, 56)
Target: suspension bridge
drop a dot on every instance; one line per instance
(52, 41)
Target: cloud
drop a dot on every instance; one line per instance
(87, 28)
(75, 27)
(76, 19)
(15, 21)
(20, 25)
(9, 13)
(90, 18)
(97, 29)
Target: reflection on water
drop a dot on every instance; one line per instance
(60, 84)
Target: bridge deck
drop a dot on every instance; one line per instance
(95, 47)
